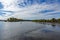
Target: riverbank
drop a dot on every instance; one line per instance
(53, 20)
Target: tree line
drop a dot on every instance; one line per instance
(12, 19)
(53, 20)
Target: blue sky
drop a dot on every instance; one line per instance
(30, 9)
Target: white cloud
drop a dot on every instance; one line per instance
(29, 11)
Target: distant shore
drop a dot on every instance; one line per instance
(53, 20)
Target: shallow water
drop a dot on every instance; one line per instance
(29, 31)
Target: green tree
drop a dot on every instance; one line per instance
(53, 20)
(12, 19)
(58, 20)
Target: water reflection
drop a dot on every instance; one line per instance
(53, 25)
(46, 30)
(29, 31)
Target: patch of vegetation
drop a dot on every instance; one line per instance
(53, 20)
(13, 19)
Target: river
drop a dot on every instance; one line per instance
(29, 31)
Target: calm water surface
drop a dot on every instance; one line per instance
(29, 31)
